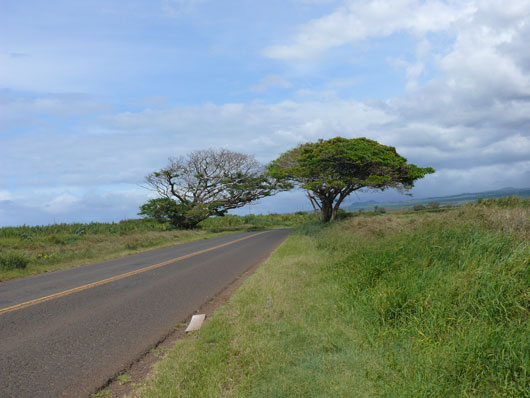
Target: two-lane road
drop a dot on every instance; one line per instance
(64, 334)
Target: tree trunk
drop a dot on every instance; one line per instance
(336, 207)
(326, 211)
(334, 213)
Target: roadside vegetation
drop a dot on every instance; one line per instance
(33, 250)
(410, 304)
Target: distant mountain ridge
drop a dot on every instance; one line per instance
(452, 199)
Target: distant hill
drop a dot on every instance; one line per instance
(454, 200)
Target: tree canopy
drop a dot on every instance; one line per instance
(206, 183)
(331, 170)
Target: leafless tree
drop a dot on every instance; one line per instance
(205, 183)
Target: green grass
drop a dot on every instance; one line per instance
(28, 250)
(102, 393)
(396, 305)
(123, 379)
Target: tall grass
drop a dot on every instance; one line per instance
(406, 305)
(78, 229)
(444, 301)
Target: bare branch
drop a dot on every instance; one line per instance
(210, 182)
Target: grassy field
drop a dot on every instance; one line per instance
(394, 305)
(32, 250)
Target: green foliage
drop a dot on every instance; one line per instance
(59, 246)
(411, 305)
(168, 211)
(513, 201)
(123, 379)
(13, 260)
(379, 210)
(183, 215)
(331, 170)
(445, 304)
(418, 207)
(27, 233)
(343, 214)
(339, 163)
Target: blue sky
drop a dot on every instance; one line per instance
(95, 95)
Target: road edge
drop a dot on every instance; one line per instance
(142, 367)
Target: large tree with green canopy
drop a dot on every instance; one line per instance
(330, 170)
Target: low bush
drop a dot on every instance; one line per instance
(13, 260)
(510, 202)
(434, 205)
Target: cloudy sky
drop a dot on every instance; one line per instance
(96, 94)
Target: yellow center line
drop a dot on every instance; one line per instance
(118, 277)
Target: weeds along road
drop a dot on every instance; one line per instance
(64, 334)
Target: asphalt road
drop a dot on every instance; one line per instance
(64, 334)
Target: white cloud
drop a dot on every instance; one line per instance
(44, 206)
(413, 71)
(357, 20)
(21, 110)
(471, 120)
(62, 204)
(5, 195)
(470, 153)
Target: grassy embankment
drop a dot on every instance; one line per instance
(32, 250)
(406, 305)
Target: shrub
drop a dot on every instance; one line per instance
(343, 214)
(56, 240)
(434, 205)
(418, 207)
(13, 260)
(25, 236)
(505, 202)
